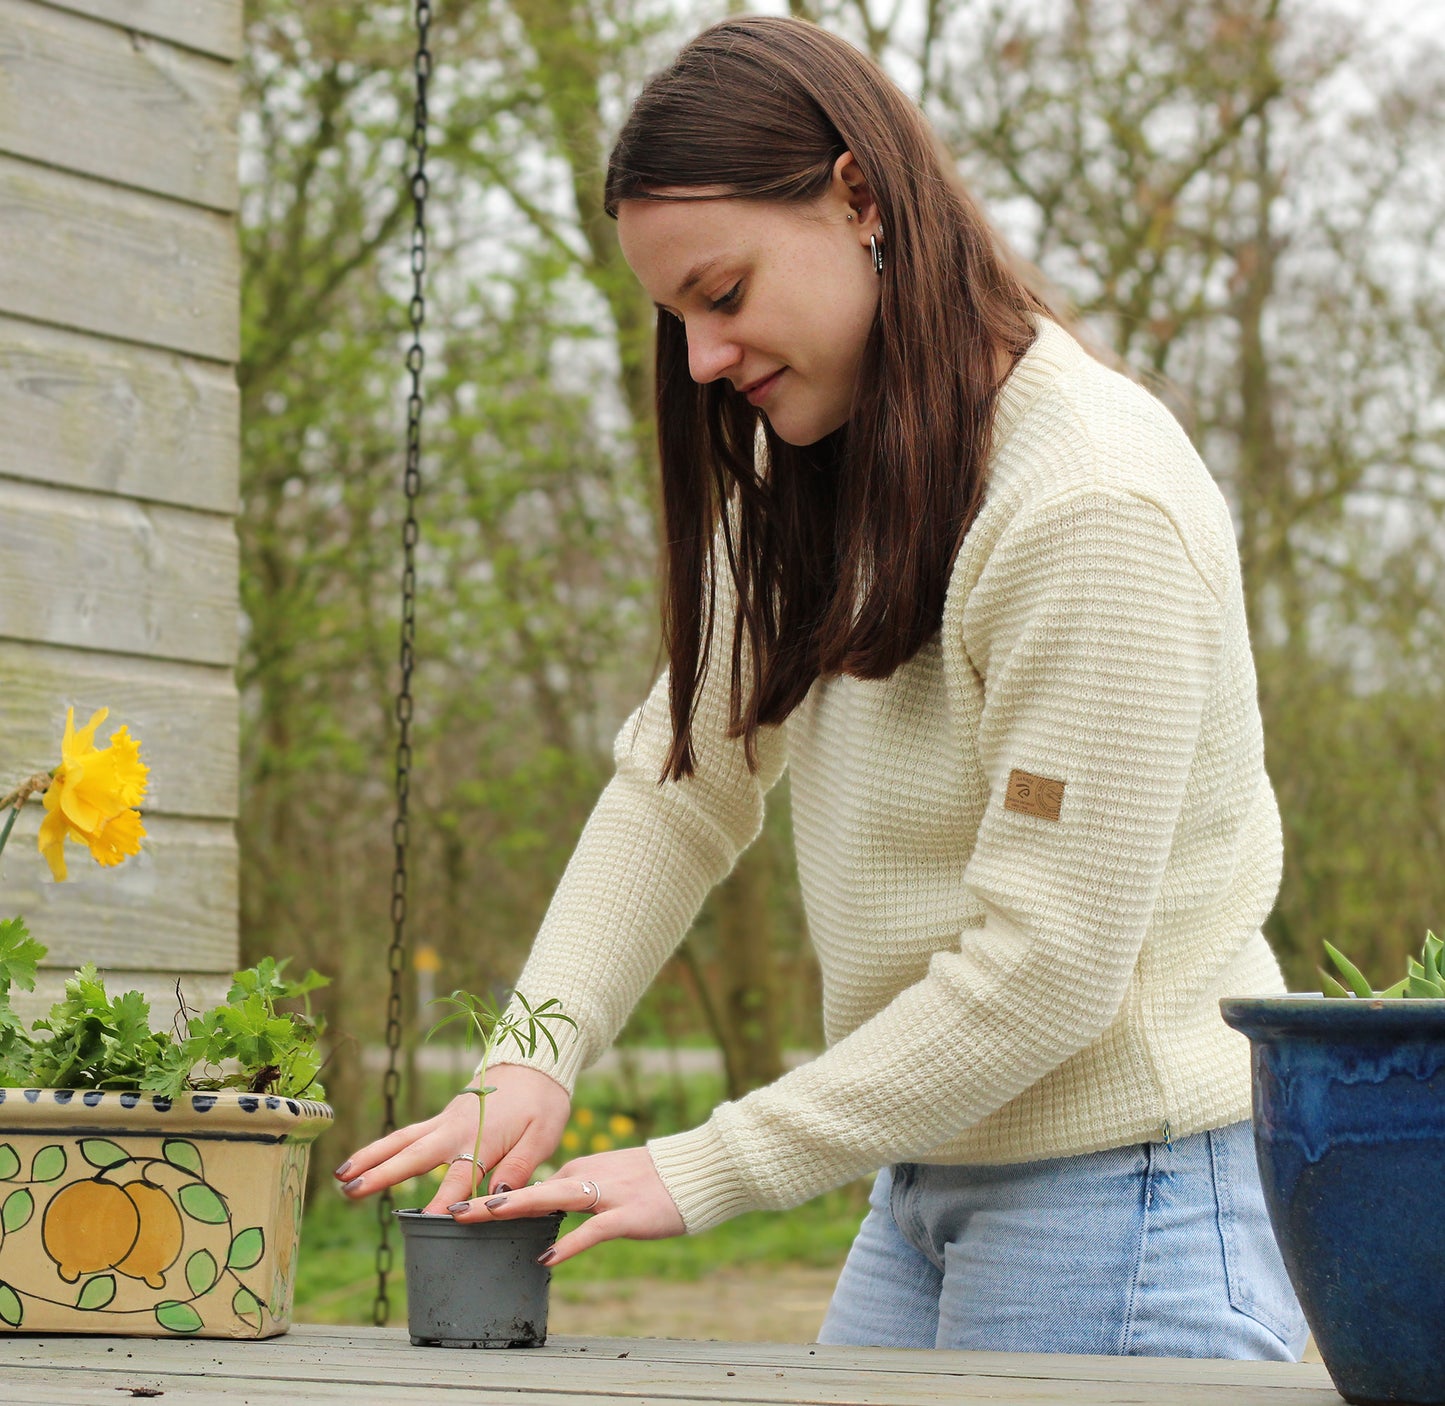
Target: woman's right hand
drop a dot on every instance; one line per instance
(526, 1116)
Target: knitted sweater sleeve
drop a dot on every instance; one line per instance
(647, 858)
(1096, 637)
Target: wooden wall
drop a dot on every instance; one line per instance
(119, 441)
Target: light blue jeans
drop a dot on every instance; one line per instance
(1154, 1250)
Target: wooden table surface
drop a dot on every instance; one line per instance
(355, 1365)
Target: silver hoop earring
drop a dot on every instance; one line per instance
(877, 249)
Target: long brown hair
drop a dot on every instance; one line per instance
(841, 551)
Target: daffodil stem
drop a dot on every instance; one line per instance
(9, 826)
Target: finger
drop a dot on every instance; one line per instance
(516, 1167)
(461, 1183)
(607, 1226)
(540, 1200)
(384, 1148)
(413, 1161)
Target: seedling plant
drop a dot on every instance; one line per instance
(485, 1021)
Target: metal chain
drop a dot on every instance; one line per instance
(415, 359)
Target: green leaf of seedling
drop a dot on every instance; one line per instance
(96, 1293)
(49, 1163)
(16, 1212)
(1391, 993)
(20, 954)
(177, 1317)
(1422, 989)
(247, 1248)
(201, 1271)
(1352, 974)
(184, 1155)
(9, 1161)
(1331, 987)
(11, 1309)
(201, 1203)
(102, 1153)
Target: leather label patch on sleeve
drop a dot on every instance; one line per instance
(1033, 795)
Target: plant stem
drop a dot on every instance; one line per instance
(9, 826)
(488, 1045)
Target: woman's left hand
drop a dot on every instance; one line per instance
(631, 1202)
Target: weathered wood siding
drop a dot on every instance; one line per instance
(119, 331)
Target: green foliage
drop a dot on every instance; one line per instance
(91, 1040)
(20, 954)
(1424, 977)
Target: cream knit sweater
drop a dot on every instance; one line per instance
(1033, 858)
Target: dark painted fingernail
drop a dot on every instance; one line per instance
(502, 1187)
(342, 1170)
(458, 1206)
(352, 1184)
(492, 1202)
(546, 1256)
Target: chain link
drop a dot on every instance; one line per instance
(415, 360)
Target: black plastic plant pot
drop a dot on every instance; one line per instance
(1349, 1126)
(476, 1285)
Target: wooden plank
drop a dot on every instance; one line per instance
(117, 576)
(625, 1370)
(136, 267)
(81, 412)
(209, 26)
(186, 716)
(172, 907)
(91, 98)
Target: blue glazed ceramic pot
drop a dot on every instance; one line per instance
(1349, 1127)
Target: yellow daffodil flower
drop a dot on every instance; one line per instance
(620, 1125)
(92, 796)
(601, 1142)
(570, 1141)
(582, 1117)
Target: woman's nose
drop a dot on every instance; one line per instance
(709, 355)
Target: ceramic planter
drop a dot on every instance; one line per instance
(476, 1285)
(143, 1215)
(1349, 1120)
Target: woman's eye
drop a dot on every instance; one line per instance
(728, 299)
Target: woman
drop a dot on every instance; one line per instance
(980, 595)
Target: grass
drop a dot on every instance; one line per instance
(336, 1276)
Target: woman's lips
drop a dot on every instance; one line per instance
(760, 390)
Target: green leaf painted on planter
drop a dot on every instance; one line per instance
(201, 1271)
(101, 1152)
(11, 1309)
(9, 1162)
(247, 1307)
(177, 1317)
(185, 1155)
(247, 1248)
(97, 1292)
(49, 1164)
(201, 1203)
(18, 1208)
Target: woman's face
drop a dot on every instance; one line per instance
(776, 299)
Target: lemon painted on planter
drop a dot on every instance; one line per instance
(138, 1214)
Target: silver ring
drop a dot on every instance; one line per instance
(464, 1157)
(596, 1195)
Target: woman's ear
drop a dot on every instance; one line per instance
(850, 189)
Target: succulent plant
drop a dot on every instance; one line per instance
(1424, 977)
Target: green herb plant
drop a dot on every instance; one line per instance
(1424, 977)
(91, 1040)
(485, 1021)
